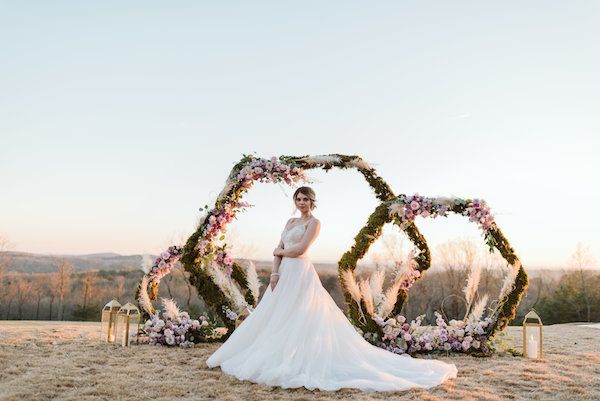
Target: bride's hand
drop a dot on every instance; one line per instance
(274, 280)
(277, 252)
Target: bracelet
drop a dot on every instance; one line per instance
(275, 274)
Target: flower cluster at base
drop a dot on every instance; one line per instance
(401, 337)
(179, 331)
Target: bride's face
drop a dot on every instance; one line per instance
(303, 203)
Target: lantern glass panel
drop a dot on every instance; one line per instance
(532, 341)
(108, 321)
(127, 328)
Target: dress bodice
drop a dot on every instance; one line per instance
(291, 236)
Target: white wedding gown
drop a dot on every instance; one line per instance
(297, 336)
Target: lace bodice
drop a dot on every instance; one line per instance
(293, 235)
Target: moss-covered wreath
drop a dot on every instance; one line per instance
(402, 211)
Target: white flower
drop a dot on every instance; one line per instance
(146, 264)
(396, 209)
(361, 164)
(321, 159)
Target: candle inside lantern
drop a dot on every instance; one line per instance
(532, 347)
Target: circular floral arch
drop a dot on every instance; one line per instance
(407, 208)
(224, 284)
(395, 334)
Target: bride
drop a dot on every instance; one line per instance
(297, 336)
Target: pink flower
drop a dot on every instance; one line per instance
(228, 260)
(414, 205)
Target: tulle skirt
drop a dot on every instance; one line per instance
(297, 336)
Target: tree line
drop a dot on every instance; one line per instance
(570, 295)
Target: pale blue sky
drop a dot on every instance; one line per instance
(119, 119)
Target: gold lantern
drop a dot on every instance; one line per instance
(128, 324)
(531, 347)
(109, 318)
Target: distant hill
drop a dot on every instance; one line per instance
(39, 263)
(42, 263)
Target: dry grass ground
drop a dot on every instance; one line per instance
(65, 361)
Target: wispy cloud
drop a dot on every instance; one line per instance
(461, 116)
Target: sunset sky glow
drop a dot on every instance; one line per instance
(119, 120)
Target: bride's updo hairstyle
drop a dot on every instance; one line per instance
(309, 193)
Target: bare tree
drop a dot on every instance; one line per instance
(88, 287)
(120, 287)
(39, 288)
(456, 258)
(63, 285)
(52, 293)
(4, 260)
(581, 261)
(168, 281)
(22, 293)
(8, 295)
(190, 287)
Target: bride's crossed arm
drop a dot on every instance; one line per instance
(275, 271)
(311, 233)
